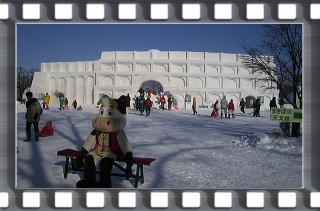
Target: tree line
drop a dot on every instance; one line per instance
(24, 80)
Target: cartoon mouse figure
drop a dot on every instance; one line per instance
(105, 144)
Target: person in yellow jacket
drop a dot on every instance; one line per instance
(47, 100)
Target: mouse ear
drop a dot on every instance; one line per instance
(121, 104)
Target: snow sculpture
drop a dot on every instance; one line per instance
(207, 75)
(106, 143)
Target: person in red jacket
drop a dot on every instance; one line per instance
(231, 108)
(47, 130)
(162, 101)
(148, 104)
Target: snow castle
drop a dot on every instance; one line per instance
(204, 75)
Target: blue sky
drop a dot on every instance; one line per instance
(38, 43)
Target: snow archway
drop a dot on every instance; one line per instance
(249, 101)
(152, 85)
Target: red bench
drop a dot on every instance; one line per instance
(71, 154)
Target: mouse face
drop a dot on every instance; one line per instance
(109, 119)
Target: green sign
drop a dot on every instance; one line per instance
(286, 115)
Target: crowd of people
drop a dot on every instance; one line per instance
(227, 108)
(223, 108)
(63, 103)
(146, 101)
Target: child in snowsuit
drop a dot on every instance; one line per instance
(214, 113)
(66, 104)
(74, 104)
(61, 101)
(47, 130)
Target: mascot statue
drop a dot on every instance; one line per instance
(105, 144)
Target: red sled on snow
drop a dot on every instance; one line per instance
(47, 130)
(214, 114)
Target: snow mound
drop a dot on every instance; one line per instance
(270, 142)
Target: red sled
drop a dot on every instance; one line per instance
(47, 130)
(213, 114)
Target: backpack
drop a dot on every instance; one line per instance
(148, 102)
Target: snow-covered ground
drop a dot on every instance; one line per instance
(190, 151)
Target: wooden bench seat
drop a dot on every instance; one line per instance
(71, 154)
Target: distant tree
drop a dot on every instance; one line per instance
(24, 80)
(283, 45)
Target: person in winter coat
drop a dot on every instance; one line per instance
(273, 103)
(242, 105)
(148, 105)
(141, 104)
(66, 104)
(194, 106)
(170, 101)
(141, 91)
(224, 106)
(74, 105)
(281, 102)
(162, 101)
(105, 144)
(256, 107)
(137, 103)
(215, 111)
(43, 104)
(231, 109)
(47, 100)
(47, 130)
(153, 99)
(61, 102)
(128, 99)
(33, 113)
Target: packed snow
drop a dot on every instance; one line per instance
(191, 151)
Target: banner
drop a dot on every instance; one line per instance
(286, 115)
